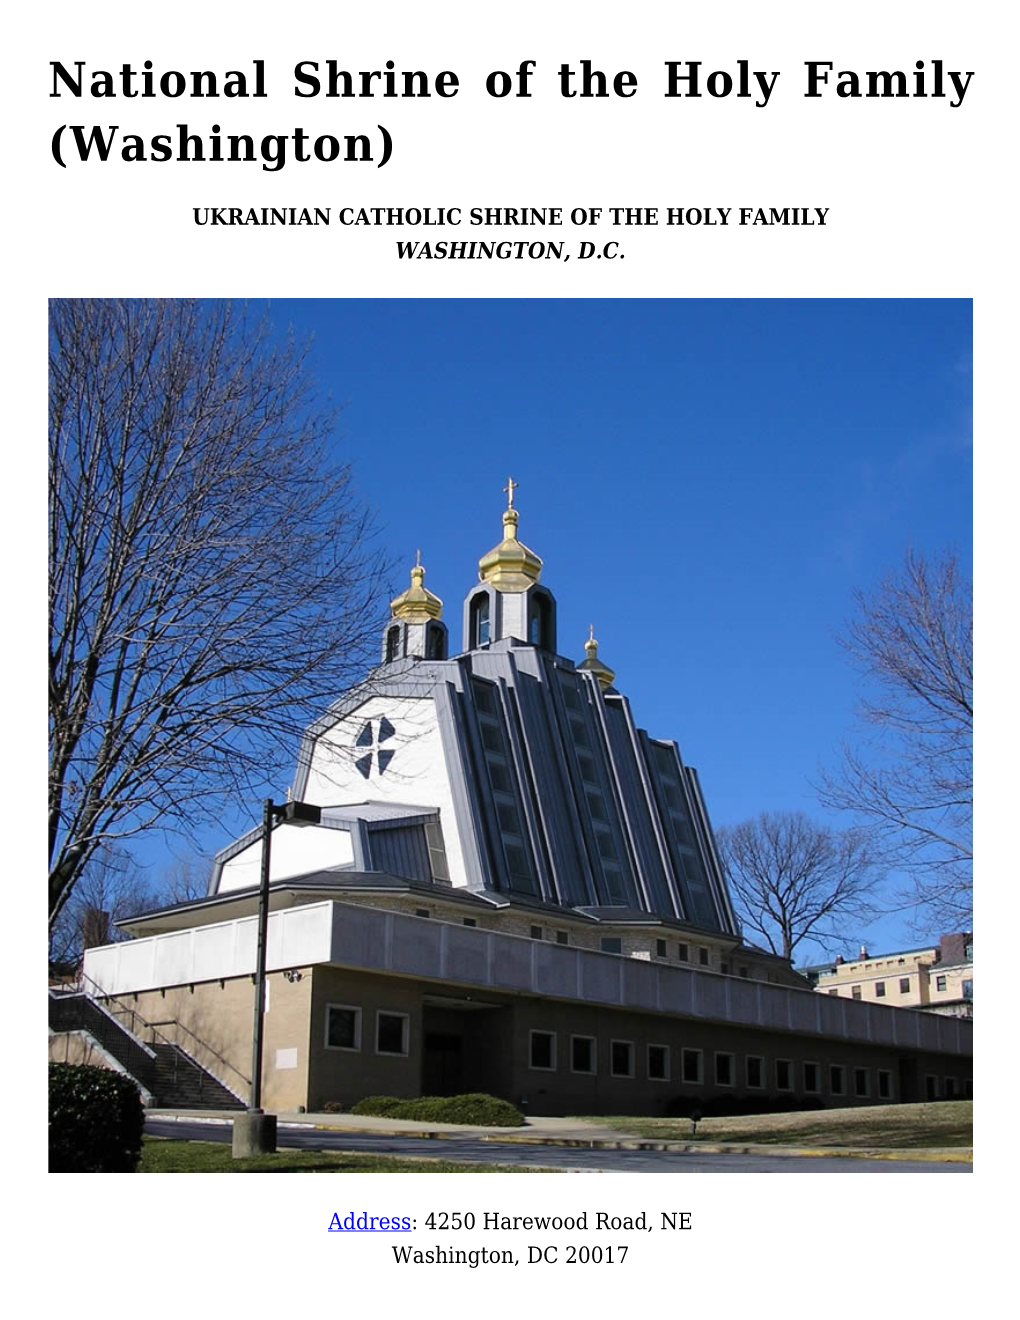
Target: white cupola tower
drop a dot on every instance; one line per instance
(509, 601)
(415, 629)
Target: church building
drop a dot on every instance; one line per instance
(512, 888)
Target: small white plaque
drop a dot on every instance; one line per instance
(286, 1058)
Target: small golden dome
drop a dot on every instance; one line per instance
(417, 604)
(510, 566)
(593, 664)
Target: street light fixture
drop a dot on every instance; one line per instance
(255, 1131)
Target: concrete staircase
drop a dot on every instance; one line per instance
(182, 1083)
(172, 1078)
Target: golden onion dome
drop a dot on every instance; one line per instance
(417, 604)
(593, 664)
(510, 566)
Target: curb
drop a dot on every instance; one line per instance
(948, 1155)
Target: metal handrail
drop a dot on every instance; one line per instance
(101, 994)
(176, 1022)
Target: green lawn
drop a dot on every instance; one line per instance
(941, 1123)
(160, 1155)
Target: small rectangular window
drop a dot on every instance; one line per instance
(784, 1075)
(422, 912)
(855, 992)
(611, 944)
(755, 1067)
(621, 1058)
(861, 1083)
(743, 971)
(660, 948)
(837, 1079)
(724, 968)
(879, 989)
(683, 953)
(940, 983)
(658, 1063)
(536, 932)
(812, 1079)
(904, 985)
(582, 1054)
(931, 1087)
(724, 1070)
(562, 937)
(833, 992)
(703, 957)
(543, 1050)
(391, 1033)
(968, 989)
(343, 1027)
(884, 1084)
(690, 1066)
(470, 921)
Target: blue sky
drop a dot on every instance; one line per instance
(706, 481)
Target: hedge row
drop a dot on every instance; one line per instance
(96, 1120)
(476, 1108)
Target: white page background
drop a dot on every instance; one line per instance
(919, 198)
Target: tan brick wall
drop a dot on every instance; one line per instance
(346, 1076)
(213, 1022)
(495, 1053)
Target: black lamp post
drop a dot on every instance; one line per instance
(255, 1131)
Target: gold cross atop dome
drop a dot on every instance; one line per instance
(593, 664)
(417, 604)
(510, 566)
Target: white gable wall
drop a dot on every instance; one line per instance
(416, 774)
(294, 851)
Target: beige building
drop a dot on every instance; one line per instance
(503, 884)
(937, 978)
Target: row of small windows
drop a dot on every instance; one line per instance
(615, 872)
(941, 985)
(497, 764)
(343, 1030)
(613, 944)
(583, 1059)
(879, 989)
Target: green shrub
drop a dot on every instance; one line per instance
(476, 1109)
(96, 1120)
(378, 1106)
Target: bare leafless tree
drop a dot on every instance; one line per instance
(186, 879)
(213, 585)
(109, 888)
(795, 880)
(909, 779)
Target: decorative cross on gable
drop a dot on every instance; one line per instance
(372, 735)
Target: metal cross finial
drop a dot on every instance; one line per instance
(508, 490)
(417, 559)
(591, 632)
